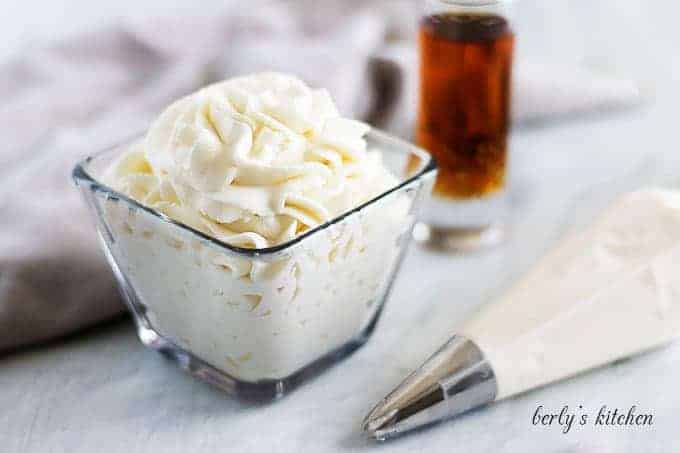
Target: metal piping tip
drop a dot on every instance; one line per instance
(455, 379)
(383, 422)
(376, 422)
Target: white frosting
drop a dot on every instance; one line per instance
(253, 161)
(603, 294)
(269, 324)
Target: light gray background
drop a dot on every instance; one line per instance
(102, 391)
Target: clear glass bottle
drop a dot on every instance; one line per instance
(466, 53)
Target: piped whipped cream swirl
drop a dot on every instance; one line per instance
(253, 161)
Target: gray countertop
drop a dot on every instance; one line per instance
(103, 391)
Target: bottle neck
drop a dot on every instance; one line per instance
(499, 8)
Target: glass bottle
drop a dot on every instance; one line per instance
(466, 53)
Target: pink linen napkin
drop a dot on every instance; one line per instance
(78, 96)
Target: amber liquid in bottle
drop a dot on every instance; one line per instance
(463, 116)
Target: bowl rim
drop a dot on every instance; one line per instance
(80, 175)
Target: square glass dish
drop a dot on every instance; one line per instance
(257, 322)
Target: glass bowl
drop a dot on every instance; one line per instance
(258, 322)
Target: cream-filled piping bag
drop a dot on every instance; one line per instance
(603, 294)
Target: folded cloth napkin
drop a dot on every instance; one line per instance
(78, 96)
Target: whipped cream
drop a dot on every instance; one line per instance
(254, 162)
(606, 293)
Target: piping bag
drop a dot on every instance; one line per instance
(606, 293)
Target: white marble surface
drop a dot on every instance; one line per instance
(102, 391)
